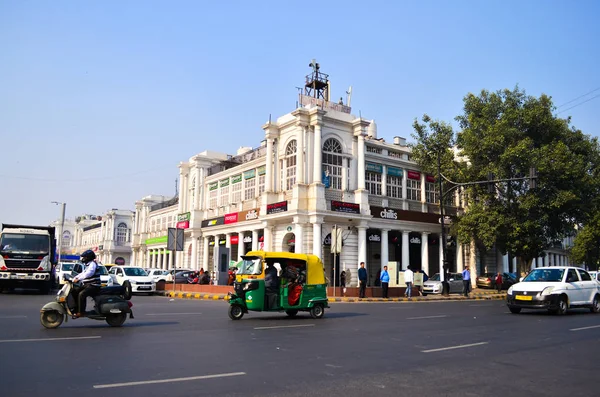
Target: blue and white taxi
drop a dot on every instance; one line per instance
(556, 289)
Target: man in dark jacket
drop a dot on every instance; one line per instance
(271, 286)
(362, 279)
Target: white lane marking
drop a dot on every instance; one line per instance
(454, 347)
(287, 326)
(170, 314)
(48, 339)
(582, 328)
(149, 382)
(419, 318)
(2, 317)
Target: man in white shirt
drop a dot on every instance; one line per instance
(408, 279)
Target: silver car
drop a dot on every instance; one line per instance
(434, 285)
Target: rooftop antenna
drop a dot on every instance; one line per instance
(349, 97)
(317, 83)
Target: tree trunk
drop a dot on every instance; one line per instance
(523, 266)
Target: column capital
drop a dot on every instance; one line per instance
(385, 230)
(316, 219)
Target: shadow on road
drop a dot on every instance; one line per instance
(304, 316)
(129, 324)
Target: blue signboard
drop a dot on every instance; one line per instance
(326, 180)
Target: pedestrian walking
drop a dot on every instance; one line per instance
(362, 280)
(385, 281)
(466, 275)
(343, 282)
(409, 280)
(499, 282)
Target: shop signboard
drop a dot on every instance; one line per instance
(348, 208)
(276, 208)
(213, 222)
(183, 221)
(403, 215)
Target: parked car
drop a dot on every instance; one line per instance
(61, 269)
(181, 277)
(160, 275)
(133, 278)
(488, 280)
(556, 289)
(80, 267)
(595, 275)
(434, 285)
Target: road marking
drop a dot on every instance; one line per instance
(454, 347)
(420, 318)
(2, 317)
(287, 326)
(582, 328)
(49, 339)
(170, 314)
(150, 382)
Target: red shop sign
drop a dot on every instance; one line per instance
(234, 239)
(413, 175)
(430, 178)
(231, 218)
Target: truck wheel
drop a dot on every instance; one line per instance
(116, 320)
(51, 319)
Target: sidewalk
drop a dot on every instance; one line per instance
(474, 295)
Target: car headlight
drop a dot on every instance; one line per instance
(510, 291)
(133, 282)
(547, 291)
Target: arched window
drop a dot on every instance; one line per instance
(66, 239)
(332, 162)
(290, 164)
(121, 233)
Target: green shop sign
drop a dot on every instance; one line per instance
(236, 179)
(371, 167)
(262, 170)
(157, 240)
(249, 174)
(394, 171)
(213, 186)
(224, 182)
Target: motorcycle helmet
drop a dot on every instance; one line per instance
(88, 256)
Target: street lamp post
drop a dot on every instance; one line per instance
(62, 226)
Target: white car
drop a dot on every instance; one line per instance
(79, 268)
(556, 289)
(160, 275)
(133, 277)
(63, 268)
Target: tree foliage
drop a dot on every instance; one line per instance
(505, 133)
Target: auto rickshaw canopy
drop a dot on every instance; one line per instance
(315, 272)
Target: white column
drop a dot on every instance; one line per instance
(385, 249)
(269, 177)
(194, 258)
(205, 253)
(149, 259)
(442, 273)
(345, 166)
(300, 163)
(152, 254)
(316, 248)
(361, 162)
(241, 246)
(425, 252)
(362, 245)
(404, 190)
(255, 240)
(459, 258)
(169, 264)
(268, 238)
(384, 181)
(199, 182)
(299, 236)
(318, 156)
(423, 196)
(228, 241)
(405, 253)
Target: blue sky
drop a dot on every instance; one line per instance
(101, 100)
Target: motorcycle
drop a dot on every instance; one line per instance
(109, 305)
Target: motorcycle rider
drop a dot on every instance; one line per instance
(90, 278)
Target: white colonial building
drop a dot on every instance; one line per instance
(316, 168)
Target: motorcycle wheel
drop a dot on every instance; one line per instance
(128, 290)
(51, 319)
(116, 320)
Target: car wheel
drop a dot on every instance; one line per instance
(317, 311)
(128, 290)
(595, 304)
(236, 312)
(563, 305)
(515, 310)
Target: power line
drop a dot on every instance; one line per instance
(581, 103)
(579, 97)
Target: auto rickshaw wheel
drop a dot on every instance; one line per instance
(317, 311)
(236, 312)
(291, 312)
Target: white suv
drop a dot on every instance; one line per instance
(556, 289)
(134, 279)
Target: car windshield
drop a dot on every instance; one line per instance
(548, 275)
(250, 265)
(435, 277)
(135, 271)
(103, 271)
(30, 243)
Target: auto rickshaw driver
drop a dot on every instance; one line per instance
(271, 286)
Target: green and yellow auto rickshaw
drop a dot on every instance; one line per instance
(298, 284)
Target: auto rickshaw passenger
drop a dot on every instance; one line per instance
(271, 285)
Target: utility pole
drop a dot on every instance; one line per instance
(445, 285)
(62, 226)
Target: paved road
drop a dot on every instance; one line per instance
(470, 348)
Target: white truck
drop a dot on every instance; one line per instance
(27, 256)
